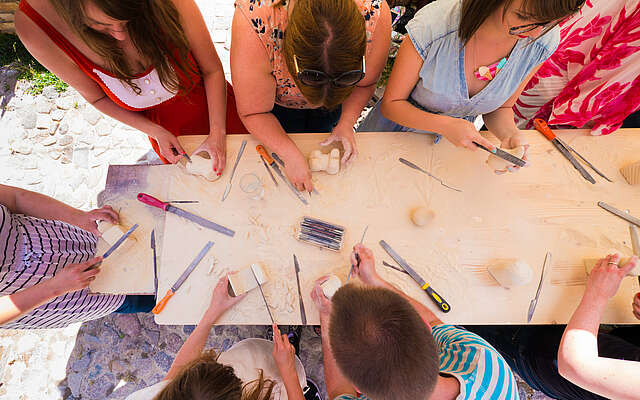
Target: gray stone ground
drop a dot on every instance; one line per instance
(61, 146)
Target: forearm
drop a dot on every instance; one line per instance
(354, 104)
(336, 383)
(215, 86)
(501, 123)
(41, 206)
(192, 347)
(134, 119)
(292, 385)
(406, 114)
(267, 129)
(15, 305)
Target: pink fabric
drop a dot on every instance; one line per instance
(593, 78)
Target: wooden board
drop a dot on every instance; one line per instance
(129, 272)
(547, 206)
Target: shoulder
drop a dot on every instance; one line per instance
(148, 393)
(435, 21)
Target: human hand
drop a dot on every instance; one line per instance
(366, 271)
(74, 277)
(221, 300)
(512, 142)
(636, 305)
(169, 146)
(463, 133)
(605, 278)
(216, 146)
(284, 354)
(297, 170)
(344, 135)
(323, 304)
(87, 220)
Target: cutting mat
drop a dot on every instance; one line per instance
(547, 206)
(129, 272)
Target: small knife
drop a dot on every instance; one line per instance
(233, 171)
(412, 165)
(534, 301)
(176, 153)
(263, 152)
(627, 217)
(152, 201)
(172, 290)
(262, 293)
(433, 295)
(279, 160)
(155, 265)
(114, 247)
(273, 178)
(303, 314)
(366, 228)
(504, 155)
(386, 264)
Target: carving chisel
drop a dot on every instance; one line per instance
(279, 160)
(412, 165)
(627, 217)
(357, 255)
(303, 314)
(152, 201)
(433, 295)
(233, 171)
(114, 246)
(504, 155)
(263, 152)
(173, 289)
(534, 301)
(262, 293)
(155, 265)
(273, 178)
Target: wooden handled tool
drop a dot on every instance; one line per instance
(263, 152)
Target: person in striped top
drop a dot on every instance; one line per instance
(378, 343)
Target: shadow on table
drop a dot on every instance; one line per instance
(121, 353)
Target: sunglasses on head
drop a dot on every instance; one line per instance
(311, 77)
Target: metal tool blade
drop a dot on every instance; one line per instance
(412, 273)
(155, 264)
(186, 156)
(582, 158)
(262, 293)
(386, 264)
(534, 302)
(357, 256)
(303, 314)
(412, 165)
(289, 184)
(119, 241)
(627, 217)
(504, 155)
(183, 201)
(279, 160)
(233, 171)
(191, 267)
(565, 152)
(200, 221)
(273, 178)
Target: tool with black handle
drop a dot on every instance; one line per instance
(504, 155)
(433, 295)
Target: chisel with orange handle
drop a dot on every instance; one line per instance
(160, 306)
(566, 150)
(263, 152)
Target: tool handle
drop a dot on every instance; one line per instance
(263, 152)
(542, 127)
(440, 302)
(152, 201)
(160, 306)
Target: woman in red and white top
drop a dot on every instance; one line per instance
(139, 62)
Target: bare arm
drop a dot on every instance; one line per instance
(578, 359)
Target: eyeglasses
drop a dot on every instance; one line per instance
(518, 30)
(311, 77)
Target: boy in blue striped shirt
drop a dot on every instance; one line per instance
(380, 344)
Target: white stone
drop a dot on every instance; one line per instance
(57, 115)
(55, 153)
(43, 122)
(91, 115)
(29, 119)
(22, 147)
(77, 126)
(65, 140)
(65, 102)
(50, 92)
(27, 343)
(48, 141)
(104, 128)
(43, 105)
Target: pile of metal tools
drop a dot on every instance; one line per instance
(321, 233)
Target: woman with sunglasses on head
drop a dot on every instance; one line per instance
(464, 58)
(138, 61)
(306, 66)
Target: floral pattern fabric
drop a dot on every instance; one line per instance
(269, 19)
(593, 79)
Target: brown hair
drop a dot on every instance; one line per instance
(207, 379)
(153, 27)
(475, 12)
(381, 344)
(328, 36)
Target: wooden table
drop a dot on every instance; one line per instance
(547, 206)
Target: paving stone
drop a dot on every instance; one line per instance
(65, 102)
(29, 119)
(91, 115)
(50, 92)
(43, 105)
(104, 128)
(54, 153)
(22, 147)
(57, 115)
(48, 141)
(65, 140)
(162, 360)
(43, 122)
(128, 324)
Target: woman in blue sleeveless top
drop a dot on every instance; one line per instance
(464, 58)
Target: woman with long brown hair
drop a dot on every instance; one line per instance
(140, 62)
(306, 66)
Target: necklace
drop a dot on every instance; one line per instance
(487, 72)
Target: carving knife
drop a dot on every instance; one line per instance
(534, 301)
(155, 265)
(114, 246)
(279, 160)
(233, 171)
(433, 295)
(627, 217)
(504, 155)
(263, 152)
(357, 256)
(273, 178)
(152, 201)
(412, 165)
(172, 290)
(386, 264)
(262, 293)
(303, 314)
(176, 153)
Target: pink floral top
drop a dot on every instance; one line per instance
(593, 78)
(270, 22)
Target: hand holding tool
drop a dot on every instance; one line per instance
(233, 171)
(176, 153)
(152, 201)
(263, 152)
(303, 314)
(173, 289)
(412, 165)
(114, 246)
(262, 293)
(504, 155)
(357, 255)
(566, 151)
(155, 265)
(433, 295)
(279, 160)
(534, 301)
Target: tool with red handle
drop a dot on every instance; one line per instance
(152, 201)
(263, 152)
